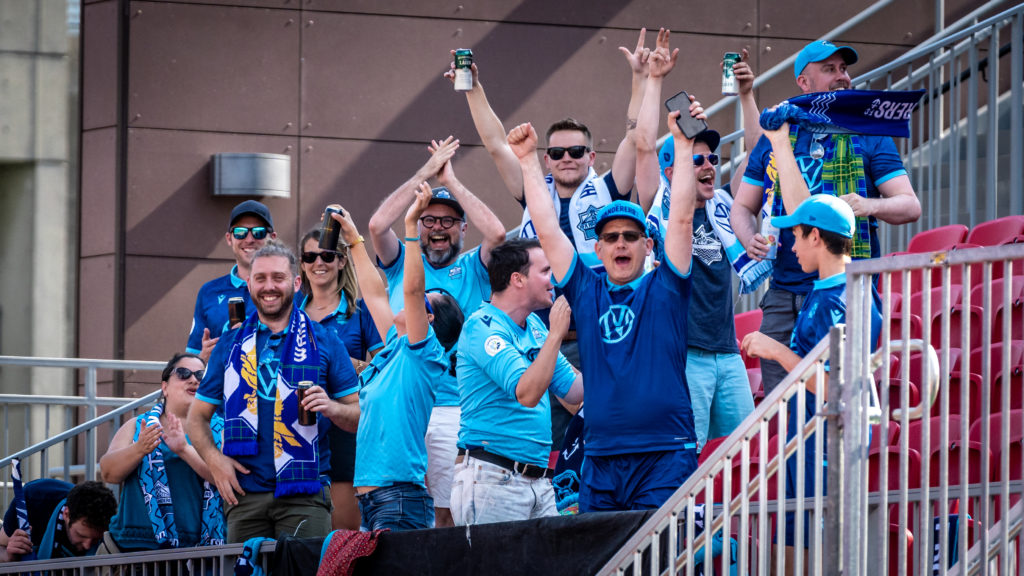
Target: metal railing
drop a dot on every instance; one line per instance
(206, 561)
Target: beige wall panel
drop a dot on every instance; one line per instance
(218, 68)
(99, 65)
(170, 210)
(17, 106)
(14, 34)
(96, 307)
(98, 200)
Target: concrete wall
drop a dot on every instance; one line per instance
(351, 91)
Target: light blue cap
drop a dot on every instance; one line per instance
(823, 211)
(667, 153)
(820, 50)
(620, 209)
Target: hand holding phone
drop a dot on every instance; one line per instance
(689, 125)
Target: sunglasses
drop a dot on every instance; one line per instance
(327, 256)
(631, 236)
(258, 232)
(698, 159)
(446, 221)
(575, 152)
(184, 373)
(430, 309)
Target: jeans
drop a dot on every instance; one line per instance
(719, 392)
(484, 493)
(780, 309)
(401, 506)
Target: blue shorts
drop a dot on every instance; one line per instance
(634, 481)
(401, 506)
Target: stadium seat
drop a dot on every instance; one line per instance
(754, 377)
(935, 426)
(995, 424)
(895, 542)
(997, 232)
(892, 454)
(746, 323)
(941, 238)
(957, 382)
(892, 440)
(896, 394)
(1016, 309)
(975, 471)
(1013, 379)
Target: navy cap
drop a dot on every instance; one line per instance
(620, 209)
(823, 211)
(441, 195)
(820, 50)
(253, 207)
(666, 156)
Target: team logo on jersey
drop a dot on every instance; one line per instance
(811, 169)
(531, 354)
(588, 220)
(455, 273)
(838, 316)
(493, 345)
(616, 323)
(220, 299)
(706, 246)
(537, 334)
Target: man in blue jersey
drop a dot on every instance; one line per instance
(447, 269)
(639, 430)
(507, 363)
(271, 469)
(870, 165)
(65, 520)
(249, 228)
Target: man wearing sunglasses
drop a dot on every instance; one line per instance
(249, 228)
(632, 327)
(868, 166)
(446, 268)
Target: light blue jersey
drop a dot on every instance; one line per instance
(395, 401)
(494, 352)
(465, 279)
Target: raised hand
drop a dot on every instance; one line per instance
(663, 58)
(523, 140)
(149, 438)
(349, 232)
(637, 58)
(418, 205)
(450, 74)
(174, 434)
(743, 73)
(440, 153)
(559, 318)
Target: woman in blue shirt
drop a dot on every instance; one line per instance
(331, 298)
(398, 388)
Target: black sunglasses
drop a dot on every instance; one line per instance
(446, 221)
(184, 373)
(258, 232)
(575, 152)
(613, 237)
(698, 159)
(327, 256)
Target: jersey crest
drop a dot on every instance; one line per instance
(588, 220)
(616, 323)
(493, 345)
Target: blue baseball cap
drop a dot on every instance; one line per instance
(820, 50)
(620, 209)
(823, 211)
(666, 156)
(441, 195)
(257, 209)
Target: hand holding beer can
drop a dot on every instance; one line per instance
(330, 229)
(728, 78)
(306, 417)
(236, 310)
(463, 70)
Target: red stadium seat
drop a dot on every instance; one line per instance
(941, 238)
(1013, 378)
(995, 423)
(746, 323)
(997, 232)
(1015, 311)
(892, 454)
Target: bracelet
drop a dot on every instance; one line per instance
(412, 238)
(358, 241)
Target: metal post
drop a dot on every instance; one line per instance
(832, 556)
(90, 413)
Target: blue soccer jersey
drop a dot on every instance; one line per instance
(633, 349)
(357, 332)
(465, 279)
(823, 308)
(494, 352)
(395, 400)
(336, 376)
(211, 309)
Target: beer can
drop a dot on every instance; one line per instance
(330, 230)
(770, 233)
(728, 78)
(236, 310)
(306, 417)
(463, 70)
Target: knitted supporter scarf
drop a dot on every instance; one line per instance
(296, 461)
(874, 112)
(19, 504)
(156, 490)
(842, 173)
(50, 546)
(587, 200)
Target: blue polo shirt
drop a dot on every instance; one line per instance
(881, 163)
(336, 376)
(465, 279)
(494, 352)
(825, 307)
(211, 309)
(395, 399)
(357, 332)
(632, 343)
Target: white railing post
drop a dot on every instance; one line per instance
(90, 414)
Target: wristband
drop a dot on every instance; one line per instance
(412, 238)
(358, 241)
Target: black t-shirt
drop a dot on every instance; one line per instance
(710, 323)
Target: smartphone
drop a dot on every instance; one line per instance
(689, 125)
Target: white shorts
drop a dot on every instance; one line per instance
(442, 435)
(484, 493)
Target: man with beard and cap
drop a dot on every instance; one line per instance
(868, 165)
(249, 228)
(271, 470)
(463, 275)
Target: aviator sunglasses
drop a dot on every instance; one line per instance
(184, 373)
(327, 256)
(258, 232)
(575, 152)
(698, 159)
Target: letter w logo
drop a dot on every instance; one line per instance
(616, 323)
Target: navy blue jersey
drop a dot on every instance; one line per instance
(211, 309)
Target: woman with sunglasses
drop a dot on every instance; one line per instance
(331, 298)
(167, 498)
(398, 388)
